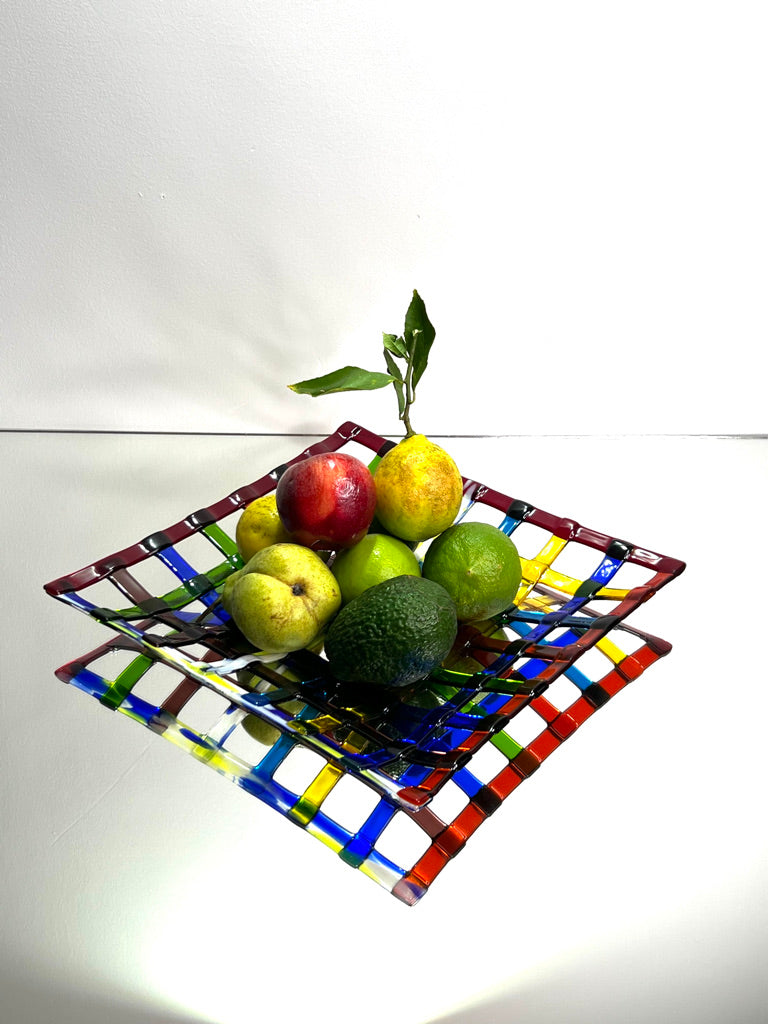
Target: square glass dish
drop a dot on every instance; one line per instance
(394, 786)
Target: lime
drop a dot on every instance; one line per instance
(393, 634)
(418, 489)
(372, 560)
(479, 567)
(259, 526)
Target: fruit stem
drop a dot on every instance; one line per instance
(409, 398)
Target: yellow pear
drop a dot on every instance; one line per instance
(282, 598)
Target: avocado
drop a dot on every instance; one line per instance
(392, 634)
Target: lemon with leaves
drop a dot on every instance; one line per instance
(418, 489)
(418, 485)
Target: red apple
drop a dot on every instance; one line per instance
(327, 501)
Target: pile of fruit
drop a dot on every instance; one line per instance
(329, 556)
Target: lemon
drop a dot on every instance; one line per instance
(418, 489)
(372, 560)
(479, 567)
(259, 526)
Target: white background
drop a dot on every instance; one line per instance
(202, 203)
(205, 202)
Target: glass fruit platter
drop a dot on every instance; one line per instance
(395, 785)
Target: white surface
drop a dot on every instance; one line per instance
(625, 881)
(203, 203)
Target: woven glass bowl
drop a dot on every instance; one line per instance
(396, 786)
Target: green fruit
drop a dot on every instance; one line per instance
(393, 634)
(371, 561)
(479, 567)
(282, 598)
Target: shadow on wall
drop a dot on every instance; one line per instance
(29, 1000)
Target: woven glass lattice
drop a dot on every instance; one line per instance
(394, 787)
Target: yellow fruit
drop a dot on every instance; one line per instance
(259, 526)
(372, 560)
(418, 489)
(282, 598)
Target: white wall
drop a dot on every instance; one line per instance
(204, 202)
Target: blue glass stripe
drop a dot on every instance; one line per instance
(467, 782)
(141, 708)
(578, 678)
(184, 571)
(509, 524)
(268, 790)
(376, 822)
(414, 775)
(91, 683)
(378, 860)
(332, 829)
(606, 570)
(178, 565)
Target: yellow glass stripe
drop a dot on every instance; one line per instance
(324, 723)
(532, 569)
(551, 550)
(559, 581)
(610, 650)
(308, 804)
(612, 593)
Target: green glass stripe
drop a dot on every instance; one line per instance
(224, 543)
(508, 747)
(588, 588)
(180, 597)
(126, 681)
(198, 585)
(303, 811)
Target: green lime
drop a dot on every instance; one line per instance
(479, 567)
(372, 560)
(393, 634)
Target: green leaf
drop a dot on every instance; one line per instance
(349, 378)
(394, 369)
(396, 345)
(419, 335)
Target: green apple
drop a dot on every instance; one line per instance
(282, 598)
